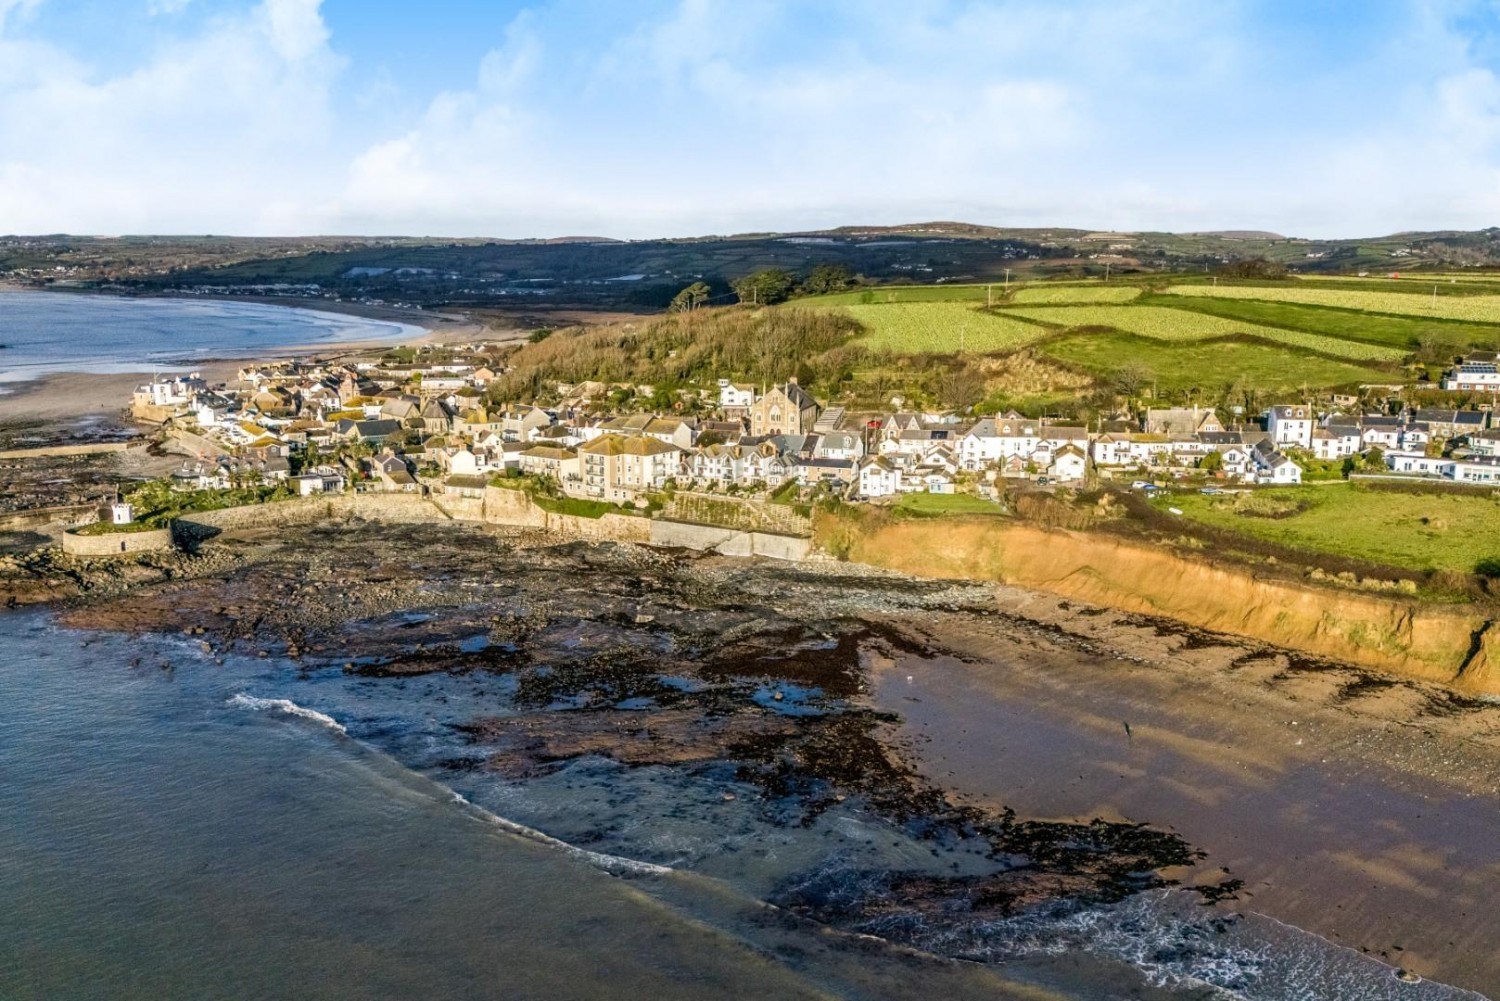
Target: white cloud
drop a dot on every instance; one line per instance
(714, 116)
(212, 132)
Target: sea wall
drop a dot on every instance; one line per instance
(62, 451)
(729, 541)
(116, 543)
(1454, 645)
(502, 506)
(36, 517)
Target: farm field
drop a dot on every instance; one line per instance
(1393, 331)
(1435, 530)
(940, 328)
(1473, 308)
(1177, 365)
(1180, 325)
(1075, 294)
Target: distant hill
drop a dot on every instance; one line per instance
(1240, 234)
(642, 275)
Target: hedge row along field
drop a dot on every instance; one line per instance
(1167, 324)
(907, 293)
(940, 328)
(1475, 308)
(1404, 332)
(1076, 293)
(1179, 365)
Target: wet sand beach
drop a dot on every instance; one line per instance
(1358, 807)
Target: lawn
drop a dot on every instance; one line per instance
(1185, 364)
(940, 328)
(1437, 530)
(1181, 325)
(1393, 331)
(935, 505)
(1473, 308)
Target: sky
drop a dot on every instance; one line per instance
(653, 118)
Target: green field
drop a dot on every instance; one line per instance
(1186, 326)
(940, 328)
(1393, 331)
(1473, 308)
(1178, 365)
(1440, 530)
(907, 293)
(1075, 293)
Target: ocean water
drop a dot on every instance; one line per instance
(46, 332)
(173, 827)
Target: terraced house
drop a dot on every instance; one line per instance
(620, 469)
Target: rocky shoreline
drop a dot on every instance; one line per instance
(787, 679)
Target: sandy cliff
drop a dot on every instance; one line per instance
(1455, 645)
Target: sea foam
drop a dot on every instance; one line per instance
(287, 706)
(610, 863)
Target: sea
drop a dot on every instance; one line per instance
(48, 332)
(177, 823)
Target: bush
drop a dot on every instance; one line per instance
(1488, 567)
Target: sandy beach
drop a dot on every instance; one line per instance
(1351, 805)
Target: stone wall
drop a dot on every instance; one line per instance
(60, 451)
(36, 517)
(117, 543)
(513, 507)
(303, 510)
(196, 443)
(728, 541)
(740, 513)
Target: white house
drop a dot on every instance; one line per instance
(878, 477)
(1272, 466)
(735, 397)
(1479, 372)
(321, 480)
(1068, 464)
(1290, 425)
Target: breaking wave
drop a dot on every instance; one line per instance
(287, 706)
(1178, 944)
(610, 863)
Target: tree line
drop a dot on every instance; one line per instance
(770, 286)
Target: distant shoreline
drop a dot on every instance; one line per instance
(70, 394)
(359, 310)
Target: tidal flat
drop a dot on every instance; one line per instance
(976, 772)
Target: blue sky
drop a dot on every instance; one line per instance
(686, 117)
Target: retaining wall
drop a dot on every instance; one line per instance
(514, 507)
(728, 541)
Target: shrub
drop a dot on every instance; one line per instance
(1488, 567)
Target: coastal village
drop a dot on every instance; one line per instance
(429, 424)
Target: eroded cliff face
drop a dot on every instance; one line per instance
(1454, 645)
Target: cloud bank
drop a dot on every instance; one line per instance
(704, 116)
